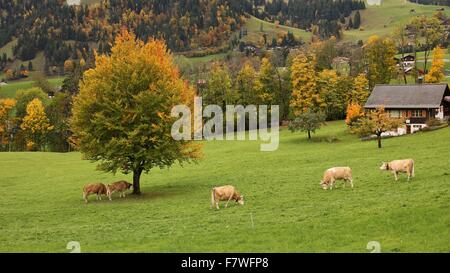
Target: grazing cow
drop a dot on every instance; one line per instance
(337, 173)
(399, 166)
(120, 187)
(225, 193)
(99, 189)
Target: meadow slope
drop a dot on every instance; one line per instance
(382, 20)
(41, 207)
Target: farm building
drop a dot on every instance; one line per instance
(407, 62)
(416, 103)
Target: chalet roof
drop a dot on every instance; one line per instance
(407, 96)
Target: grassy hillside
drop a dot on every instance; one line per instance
(9, 91)
(382, 20)
(285, 210)
(253, 26)
(8, 48)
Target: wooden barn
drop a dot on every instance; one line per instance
(416, 103)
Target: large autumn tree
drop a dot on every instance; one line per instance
(122, 115)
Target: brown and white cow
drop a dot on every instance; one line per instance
(337, 173)
(99, 189)
(225, 193)
(119, 186)
(399, 166)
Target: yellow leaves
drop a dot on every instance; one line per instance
(137, 85)
(436, 73)
(31, 146)
(304, 84)
(6, 107)
(372, 39)
(379, 54)
(36, 121)
(360, 92)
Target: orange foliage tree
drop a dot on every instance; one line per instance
(354, 113)
(122, 115)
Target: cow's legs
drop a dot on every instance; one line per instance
(226, 205)
(85, 198)
(217, 204)
(395, 175)
(99, 197)
(351, 182)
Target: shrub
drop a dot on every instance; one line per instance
(432, 122)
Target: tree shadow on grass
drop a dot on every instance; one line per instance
(315, 139)
(161, 192)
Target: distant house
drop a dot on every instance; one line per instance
(407, 62)
(416, 103)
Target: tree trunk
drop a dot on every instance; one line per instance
(379, 141)
(136, 181)
(309, 134)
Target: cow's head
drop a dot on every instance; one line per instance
(129, 186)
(324, 185)
(240, 200)
(384, 166)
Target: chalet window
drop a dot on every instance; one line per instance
(394, 113)
(416, 113)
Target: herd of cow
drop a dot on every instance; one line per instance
(228, 193)
(101, 189)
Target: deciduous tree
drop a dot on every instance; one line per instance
(6, 121)
(304, 84)
(436, 73)
(379, 56)
(246, 86)
(360, 92)
(308, 121)
(36, 125)
(122, 114)
(377, 122)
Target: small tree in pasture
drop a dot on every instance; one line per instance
(377, 122)
(308, 121)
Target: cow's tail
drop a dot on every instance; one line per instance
(412, 171)
(213, 200)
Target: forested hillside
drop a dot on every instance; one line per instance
(324, 17)
(432, 2)
(63, 32)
